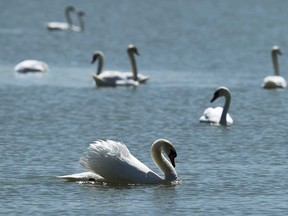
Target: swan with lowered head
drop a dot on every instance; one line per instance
(117, 78)
(79, 28)
(64, 26)
(111, 162)
(218, 115)
(31, 66)
(275, 81)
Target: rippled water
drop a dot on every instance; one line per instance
(189, 48)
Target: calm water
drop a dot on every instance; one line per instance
(189, 48)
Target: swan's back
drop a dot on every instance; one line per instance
(113, 161)
(31, 66)
(213, 115)
(274, 82)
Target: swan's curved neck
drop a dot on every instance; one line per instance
(275, 63)
(68, 17)
(100, 64)
(223, 119)
(133, 65)
(163, 164)
(81, 23)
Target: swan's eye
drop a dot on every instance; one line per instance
(172, 155)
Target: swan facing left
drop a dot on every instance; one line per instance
(274, 81)
(111, 162)
(64, 26)
(31, 66)
(218, 115)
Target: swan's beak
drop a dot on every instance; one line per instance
(214, 98)
(172, 157)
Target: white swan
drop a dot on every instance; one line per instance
(79, 28)
(116, 78)
(111, 162)
(275, 81)
(64, 26)
(27, 66)
(218, 115)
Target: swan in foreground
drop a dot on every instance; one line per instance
(32, 66)
(111, 162)
(117, 78)
(79, 28)
(218, 115)
(64, 26)
(275, 81)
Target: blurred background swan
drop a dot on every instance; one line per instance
(64, 26)
(218, 115)
(80, 27)
(274, 81)
(32, 66)
(111, 162)
(117, 78)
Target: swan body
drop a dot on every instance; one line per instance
(79, 28)
(117, 78)
(111, 162)
(275, 81)
(27, 66)
(64, 26)
(218, 115)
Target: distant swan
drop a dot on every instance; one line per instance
(79, 28)
(111, 162)
(27, 66)
(116, 78)
(275, 81)
(218, 115)
(62, 25)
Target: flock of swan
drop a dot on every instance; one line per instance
(108, 161)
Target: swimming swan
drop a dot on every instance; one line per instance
(111, 162)
(218, 115)
(117, 78)
(62, 25)
(27, 66)
(79, 28)
(275, 81)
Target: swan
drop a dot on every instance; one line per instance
(79, 28)
(275, 81)
(62, 25)
(218, 115)
(27, 66)
(111, 162)
(116, 78)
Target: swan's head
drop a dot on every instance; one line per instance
(132, 49)
(220, 91)
(166, 147)
(276, 49)
(70, 8)
(81, 13)
(96, 56)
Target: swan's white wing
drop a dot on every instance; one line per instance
(84, 176)
(31, 66)
(274, 82)
(113, 161)
(141, 77)
(213, 115)
(58, 26)
(114, 78)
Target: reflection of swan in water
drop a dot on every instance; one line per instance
(115, 78)
(275, 81)
(66, 26)
(218, 115)
(79, 28)
(27, 66)
(111, 162)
